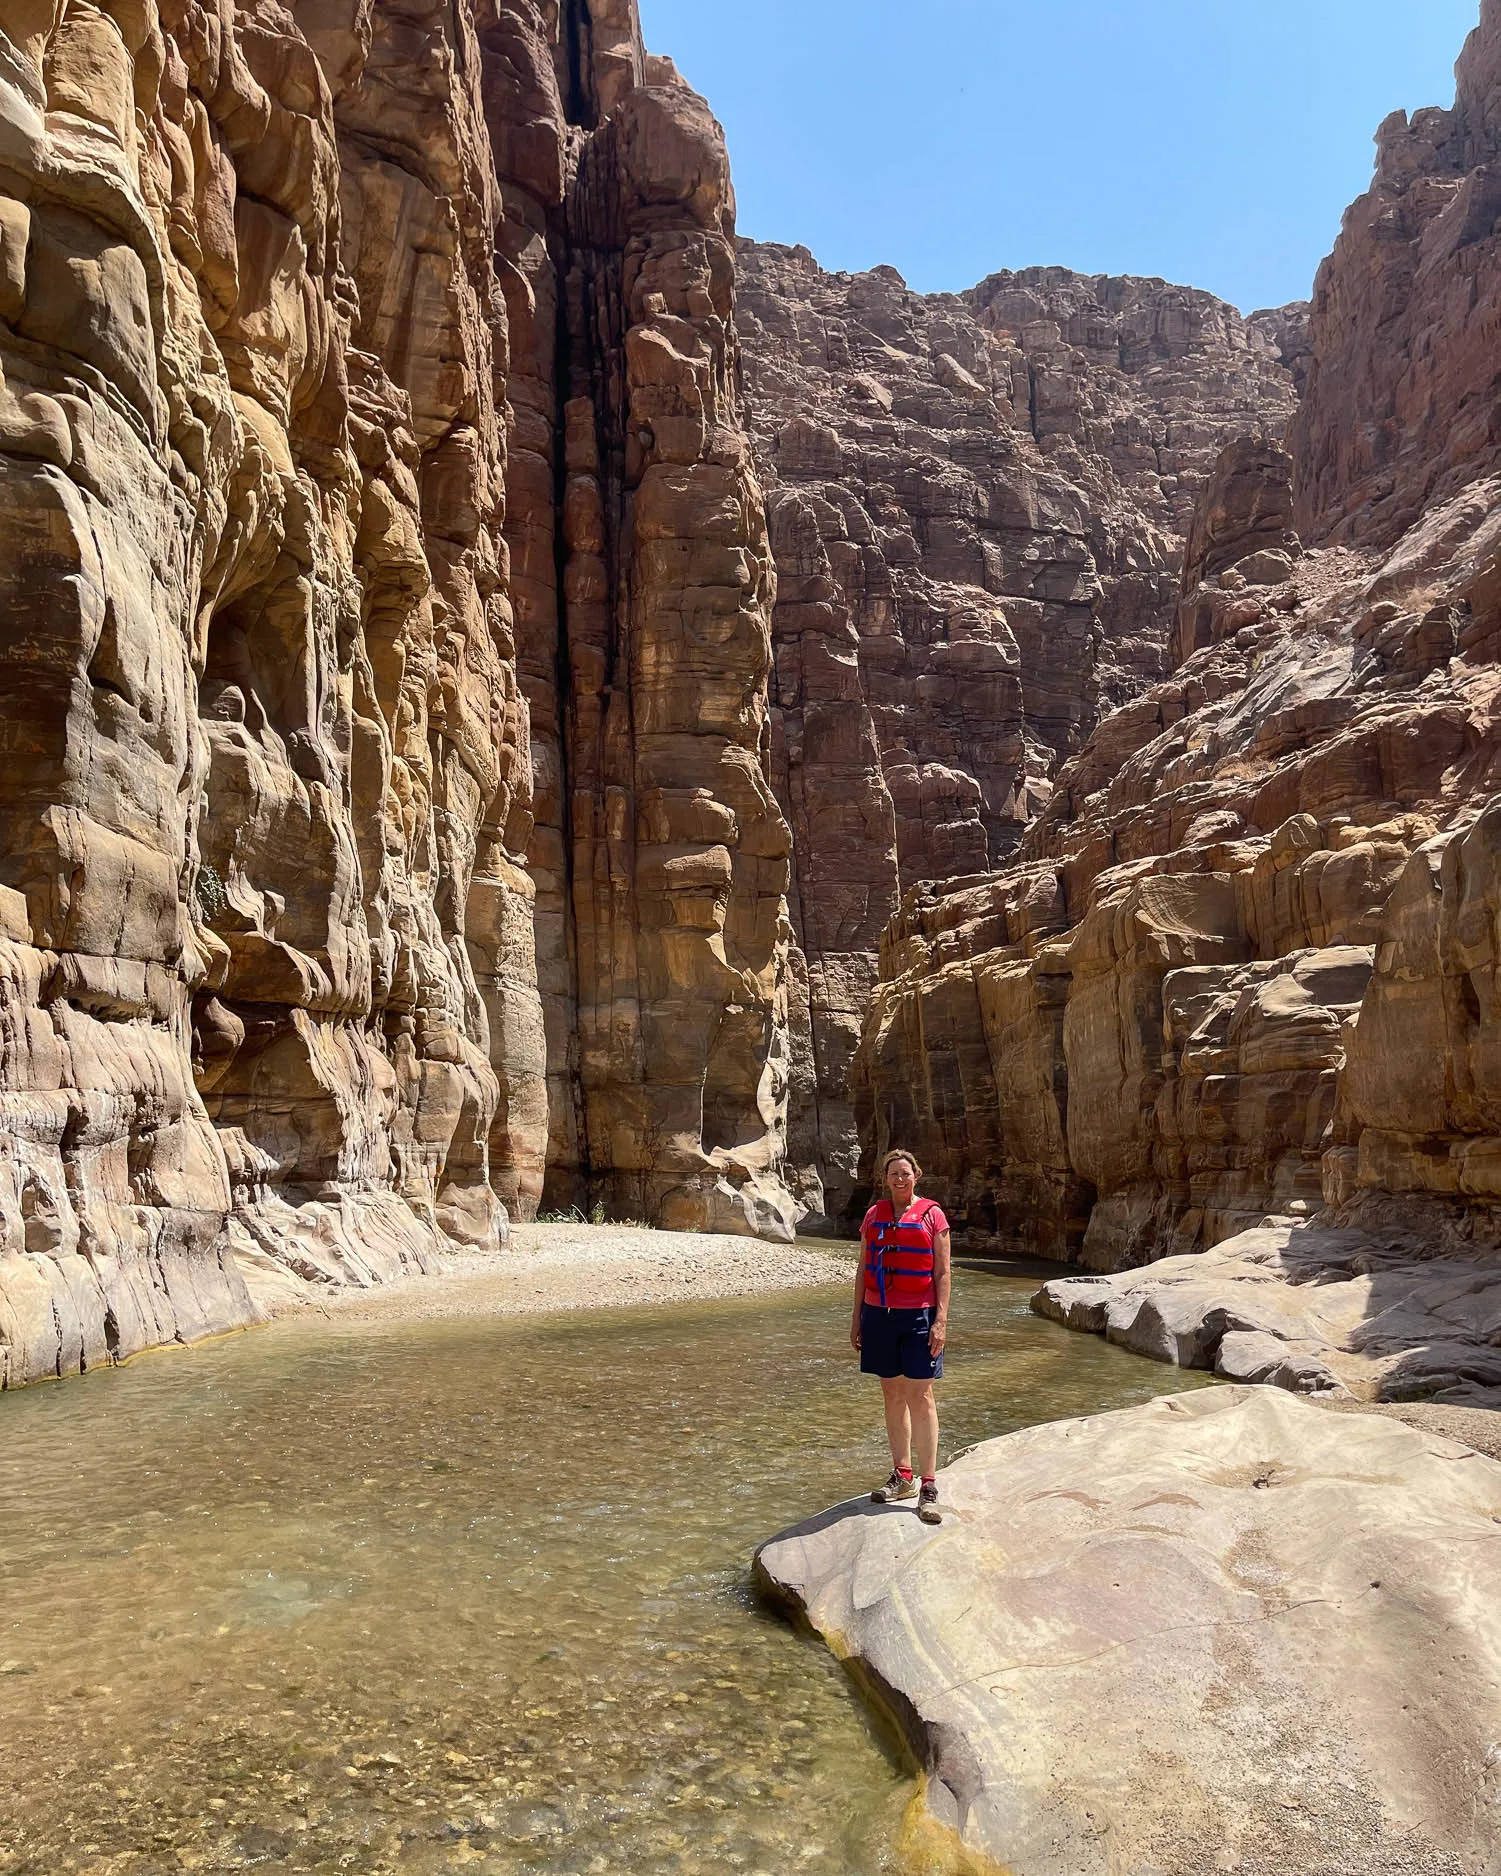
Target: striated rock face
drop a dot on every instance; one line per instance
(1279, 1618)
(978, 507)
(1405, 318)
(1131, 1042)
(261, 715)
(1242, 526)
(268, 876)
(642, 581)
(1241, 966)
(1417, 1129)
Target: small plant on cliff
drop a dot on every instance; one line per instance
(210, 891)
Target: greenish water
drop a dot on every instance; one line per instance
(422, 1596)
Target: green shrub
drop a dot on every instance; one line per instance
(210, 891)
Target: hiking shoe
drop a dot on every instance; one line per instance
(895, 1489)
(927, 1505)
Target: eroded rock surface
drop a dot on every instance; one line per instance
(978, 508)
(642, 583)
(1242, 964)
(1405, 318)
(310, 316)
(1225, 1630)
(260, 707)
(1312, 1308)
(1130, 1042)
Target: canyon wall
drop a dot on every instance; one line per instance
(514, 698)
(260, 712)
(978, 509)
(369, 394)
(1244, 962)
(642, 583)
(1404, 323)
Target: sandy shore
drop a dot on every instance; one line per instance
(557, 1267)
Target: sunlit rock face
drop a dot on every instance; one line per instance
(643, 585)
(978, 509)
(1243, 965)
(1405, 317)
(269, 879)
(1103, 1591)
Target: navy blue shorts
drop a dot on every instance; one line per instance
(895, 1342)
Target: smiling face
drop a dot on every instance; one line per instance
(901, 1183)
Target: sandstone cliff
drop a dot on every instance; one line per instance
(261, 707)
(312, 319)
(433, 775)
(1130, 1042)
(1243, 964)
(1405, 318)
(642, 583)
(978, 508)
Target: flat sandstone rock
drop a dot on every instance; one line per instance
(1316, 1310)
(1223, 1631)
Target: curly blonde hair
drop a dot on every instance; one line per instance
(897, 1153)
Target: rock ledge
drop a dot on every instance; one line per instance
(1224, 1631)
(1309, 1307)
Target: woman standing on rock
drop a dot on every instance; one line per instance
(900, 1326)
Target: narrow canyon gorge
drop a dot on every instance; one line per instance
(517, 697)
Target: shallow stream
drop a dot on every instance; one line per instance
(418, 1596)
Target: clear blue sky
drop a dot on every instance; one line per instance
(1213, 142)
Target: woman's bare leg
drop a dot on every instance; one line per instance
(922, 1417)
(898, 1422)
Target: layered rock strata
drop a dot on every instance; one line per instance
(1404, 321)
(267, 863)
(1242, 964)
(260, 708)
(642, 582)
(978, 508)
(1134, 1041)
(1278, 1618)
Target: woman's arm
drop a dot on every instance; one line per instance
(859, 1296)
(939, 1333)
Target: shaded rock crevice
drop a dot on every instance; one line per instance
(643, 593)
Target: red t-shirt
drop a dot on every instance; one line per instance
(905, 1289)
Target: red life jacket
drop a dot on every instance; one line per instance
(899, 1257)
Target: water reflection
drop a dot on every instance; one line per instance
(347, 1597)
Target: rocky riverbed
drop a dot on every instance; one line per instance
(409, 1586)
